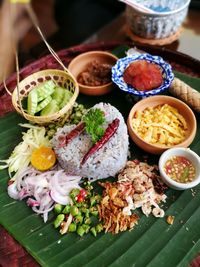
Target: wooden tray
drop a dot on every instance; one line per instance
(11, 253)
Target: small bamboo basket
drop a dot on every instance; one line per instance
(60, 78)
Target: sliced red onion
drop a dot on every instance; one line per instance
(63, 200)
(32, 202)
(43, 188)
(12, 191)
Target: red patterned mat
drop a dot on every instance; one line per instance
(179, 62)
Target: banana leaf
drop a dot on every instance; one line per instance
(151, 243)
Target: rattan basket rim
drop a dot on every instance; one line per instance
(39, 74)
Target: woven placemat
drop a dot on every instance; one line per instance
(12, 254)
(159, 42)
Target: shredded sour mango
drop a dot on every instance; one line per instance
(43, 158)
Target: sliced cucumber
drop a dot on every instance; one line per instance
(51, 108)
(66, 98)
(58, 94)
(43, 103)
(32, 102)
(45, 90)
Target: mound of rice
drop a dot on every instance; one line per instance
(105, 162)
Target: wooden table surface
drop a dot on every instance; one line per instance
(11, 253)
(188, 42)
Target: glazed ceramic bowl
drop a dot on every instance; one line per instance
(182, 152)
(80, 64)
(161, 24)
(123, 63)
(154, 101)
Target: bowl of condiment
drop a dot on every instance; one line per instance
(164, 21)
(158, 123)
(180, 168)
(92, 71)
(142, 75)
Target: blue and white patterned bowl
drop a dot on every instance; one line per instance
(167, 20)
(119, 68)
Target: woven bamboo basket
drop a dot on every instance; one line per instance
(61, 78)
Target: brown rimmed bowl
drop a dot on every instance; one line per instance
(80, 64)
(154, 101)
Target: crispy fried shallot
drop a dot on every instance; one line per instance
(112, 205)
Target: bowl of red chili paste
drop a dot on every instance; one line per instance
(180, 168)
(142, 75)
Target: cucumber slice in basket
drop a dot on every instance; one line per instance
(43, 104)
(66, 98)
(32, 102)
(45, 90)
(58, 94)
(51, 108)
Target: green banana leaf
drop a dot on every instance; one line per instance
(151, 243)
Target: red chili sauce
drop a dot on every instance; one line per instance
(95, 74)
(143, 75)
(180, 169)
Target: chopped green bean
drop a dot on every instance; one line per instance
(86, 228)
(80, 230)
(87, 220)
(92, 201)
(74, 193)
(66, 209)
(93, 231)
(79, 219)
(74, 210)
(99, 228)
(59, 219)
(58, 208)
(72, 227)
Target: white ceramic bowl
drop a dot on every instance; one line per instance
(161, 24)
(185, 152)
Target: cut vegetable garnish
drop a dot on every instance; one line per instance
(58, 94)
(51, 108)
(45, 90)
(32, 102)
(47, 98)
(43, 158)
(66, 98)
(43, 104)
